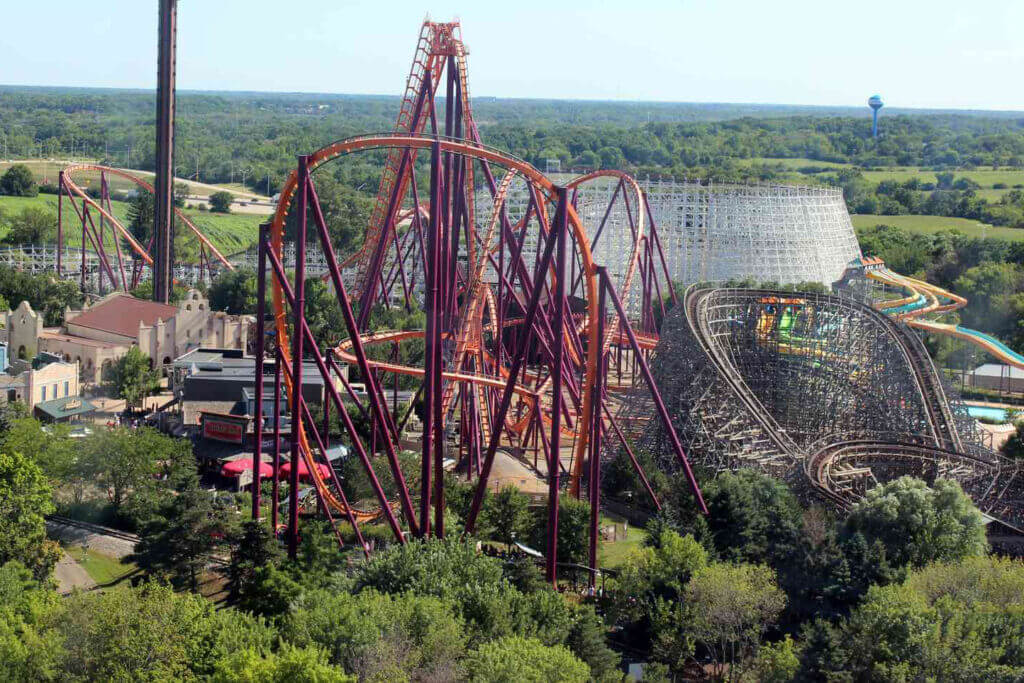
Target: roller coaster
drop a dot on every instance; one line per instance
(95, 265)
(522, 318)
(827, 392)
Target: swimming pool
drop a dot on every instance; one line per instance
(987, 412)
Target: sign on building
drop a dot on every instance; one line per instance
(220, 427)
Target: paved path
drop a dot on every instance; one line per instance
(70, 575)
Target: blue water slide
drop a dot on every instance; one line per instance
(1006, 350)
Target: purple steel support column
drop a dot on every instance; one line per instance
(327, 423)
(275, 485)
(96, 239)
(379, 412)
(657, 287)
(560, 228)
(518, 363)
(659, 404)
(373, 274)
(60, 219)
(338, 404)
(595, 439)
(333, 365)
(85, 212)
(261, 314)
(431, 393)
(334, 478)
(298, 318)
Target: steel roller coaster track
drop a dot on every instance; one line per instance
(521, 318)
(129, 267)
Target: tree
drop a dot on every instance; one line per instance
(728, 608)
(51, 450)
(287, 665)
(345, 211)
(753, 518)
(32, 225)
(898, 633)
(131, 377)
(43, 292)
(139, 463)
(507, 513)
(29, 646)
(25, 497)
(253, 548)
(234, 291)
(573, 529)
(17, 181)
(917, 524)
(140, 217)
(587, 640)
(177, 543)
(1013, 447)
(441, 567)
(220, 202)
(660, 570)
(377, 636)
(151, 633)
(515, 658)
(777, 662)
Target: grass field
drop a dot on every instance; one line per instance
(228, 232)
(932, 224)
(790, 163)
(984, 177)
(45, 171)
(613, 554)
(103, 569)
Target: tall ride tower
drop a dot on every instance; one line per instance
(163, 205)
(875, 102)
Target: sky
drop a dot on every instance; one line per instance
(915, 53)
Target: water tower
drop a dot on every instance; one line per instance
(875, 102)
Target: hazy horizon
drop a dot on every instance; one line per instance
(852, 109)
(918, 55)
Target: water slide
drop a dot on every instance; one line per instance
(924, 298)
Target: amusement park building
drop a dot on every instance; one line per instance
(98, 335)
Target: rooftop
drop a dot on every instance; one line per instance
(60, 408)
(121, 314)
(78, 340)
(998, 370)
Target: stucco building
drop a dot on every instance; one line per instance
(44, 378)
(98, 335)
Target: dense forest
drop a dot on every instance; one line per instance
(248, 136)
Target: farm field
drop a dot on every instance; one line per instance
(933, 224)
(230, 233)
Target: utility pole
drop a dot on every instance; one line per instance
(163, 218)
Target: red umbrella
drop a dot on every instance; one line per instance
(286, 469)
(234, 468)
